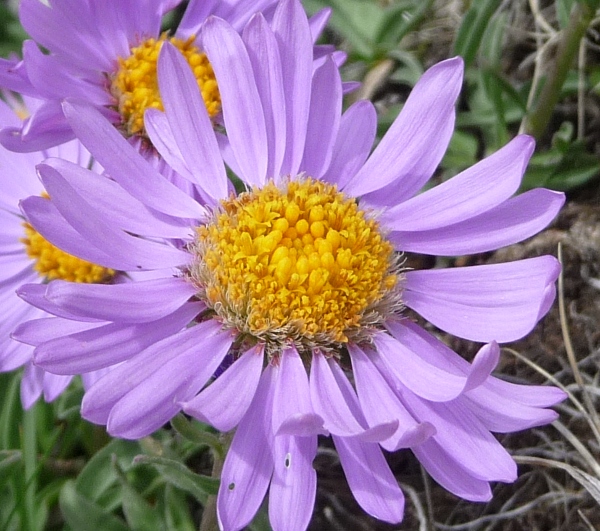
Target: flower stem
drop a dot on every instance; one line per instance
(538, 117)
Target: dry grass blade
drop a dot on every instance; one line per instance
(571, 353)
(587, 481)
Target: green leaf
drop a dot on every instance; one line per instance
(176, 510)
(564, 167)
(195, 432)
(470, 33)
(140, 515)
(83, 514)
(11, 413)
(261, 521)
(182, 477)
(461, 152)
(12, 33)
(563, 11)
(356, 21)
(409, 69)
(575, 173)
(8, 458)
(99, 476)
(399, 20)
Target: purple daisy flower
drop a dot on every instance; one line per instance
(27, 257)
(104, 52)
(300, 279)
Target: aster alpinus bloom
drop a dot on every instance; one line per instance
(299, 279)
(104, 52)
(26, 257)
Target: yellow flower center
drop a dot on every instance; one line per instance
(299, 264)
(52, 263)
(135, 83)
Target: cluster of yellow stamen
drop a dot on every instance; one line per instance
(52, 263)
(300, 263)
(135, 83)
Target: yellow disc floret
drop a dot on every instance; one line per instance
(135, 83)
(301, 263)
(52, 263)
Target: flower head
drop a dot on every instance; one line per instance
(299, 278)
(105, 53)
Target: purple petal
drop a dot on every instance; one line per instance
(194, 16)
(160, 134)
(472, 192)
(87, 350)
(508, 223)
(334, 399)
(238, 12)
(125, 165)
(415, 143)
(54, 385)
(450, 474)
(32, 383)
(505, 411)
(130, 302)
(155, 399)
(530, 395)
(380, 404)
(45, 128)
(225, 401)
(291, 28)
(126, 212)
(294, 484)
(302, 424)
(498, 302)
(432, 350)
(292, 393)
(92, 225)
(35, 294)
(13, 76)
(264, 55)
(189, 122)
(500, 414)
(48, 221)
(498, 404)
(14, 312)
(318, 22)
(38, 331)
(242, 109)
(249, 462)
(323, 119)
(353, 144)
(431, 381)
(42, 69)
(103, 395)
(370, 479)
(329, 401)
(47, 26)
(461, 434)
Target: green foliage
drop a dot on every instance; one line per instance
(12, 34)
(564, 166)
(471, 32)
(372, 29)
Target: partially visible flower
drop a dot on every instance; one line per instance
(27, 257)
(300, 280)
(104, 52)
